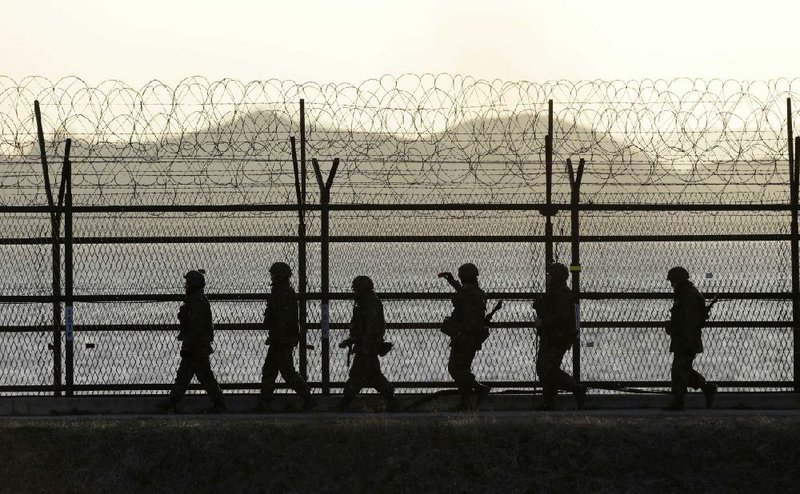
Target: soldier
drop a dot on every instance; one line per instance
(280, 321)
(688, 315)
(466, 327)
(196, 335)
(367, 329)
(555, 323)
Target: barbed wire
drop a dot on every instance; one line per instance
(409, 138)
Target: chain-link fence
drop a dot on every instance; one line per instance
(434, 171)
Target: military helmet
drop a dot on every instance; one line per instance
(363, 284)
(280, 270)
(678, 274)
(558, 272)
(195, 278)
(467, 271)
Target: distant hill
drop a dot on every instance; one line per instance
(247, 159)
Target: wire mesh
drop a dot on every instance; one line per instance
(407, 140)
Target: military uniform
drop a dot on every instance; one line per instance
(196, 335)
(280, 320)
(685, 325)
(468, 333)
(687, 318)
(557, 334)
(367, 329)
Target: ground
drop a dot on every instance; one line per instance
(633, 451)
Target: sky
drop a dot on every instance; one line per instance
(354, 40)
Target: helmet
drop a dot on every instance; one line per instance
(195, 278)
(363, 284)
(280, 270)
(558, 272)
(678, 274)
(467, 271)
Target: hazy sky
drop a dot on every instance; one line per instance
(353, 40)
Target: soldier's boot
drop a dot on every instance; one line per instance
(548, 399)
(301, 388)
(465, 405)
(308, 402)
(546, 406)
(263, 405)
(217, 407)
(579, 391)
(710, 392)
(482, 391)
(393, 405)
(169, 407)
(342, 405)
(678, 404)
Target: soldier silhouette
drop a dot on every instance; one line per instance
(555, 323)
(687, 318)
(196, 336)
(366, 342)
(466, 327)
(280, 321)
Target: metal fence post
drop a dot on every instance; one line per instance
(575, 266)
(301, 248)
(795, 252)
(796, 264)
(302, 252)
(66, 178)
(793, 195)
(548, 163)
(56, 254)
(547, 211)
(324, 200)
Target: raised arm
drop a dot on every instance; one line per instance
(450, 279)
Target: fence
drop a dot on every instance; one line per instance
(433, 171)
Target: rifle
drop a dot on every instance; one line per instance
(348, 343)
(711, 306)
(449, 329)
(385, 348)
(706, 313)
(308, 345)
(497, 307)
(483, 335)
(537, 307)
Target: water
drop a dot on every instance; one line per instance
(742, 353)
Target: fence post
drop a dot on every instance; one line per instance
(548, 211)
(796, 263)
(302, 279)
(575, 266)
(795, 252)
(56, 254)
(66, 178)
(324, 200)
(548, 164)
(793, 195)
(301, 247)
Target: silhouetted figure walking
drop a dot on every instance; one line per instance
(467, 329)
(280, 321)
(555, 323)
(688, 316)
(196, 336)
(367, 330)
